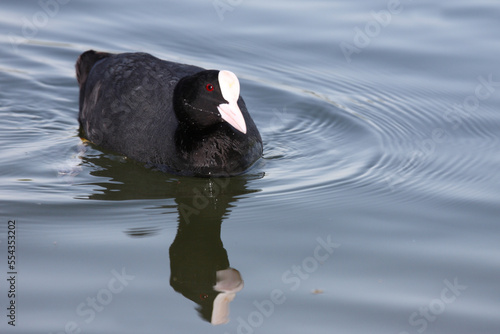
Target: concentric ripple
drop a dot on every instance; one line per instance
(397, 142)
(427, 142)
(312, 144)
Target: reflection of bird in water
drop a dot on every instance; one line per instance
(200, 268)
(198, 261)
(228, 282)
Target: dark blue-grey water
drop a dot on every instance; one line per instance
(374, 210)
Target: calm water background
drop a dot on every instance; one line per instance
(374, 210)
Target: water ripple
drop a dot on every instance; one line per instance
(404, 143)
(427, 142)
(311, 144)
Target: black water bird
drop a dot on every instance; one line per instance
(178, 118)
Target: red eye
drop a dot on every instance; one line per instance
(209, 87)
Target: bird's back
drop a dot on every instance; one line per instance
(126, 103)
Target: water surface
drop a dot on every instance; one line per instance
(374, 209)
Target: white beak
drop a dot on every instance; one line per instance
(230, 112)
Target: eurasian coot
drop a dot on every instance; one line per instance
(179, 118)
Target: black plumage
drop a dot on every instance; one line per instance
(165, 114)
